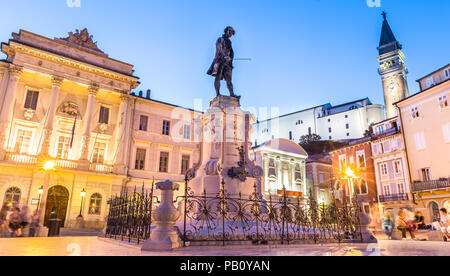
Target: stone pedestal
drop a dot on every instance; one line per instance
(226, 128)
(363, 228)
(164, 236)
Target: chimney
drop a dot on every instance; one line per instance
(140, 94)
(149, 93)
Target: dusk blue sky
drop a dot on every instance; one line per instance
(304, 52)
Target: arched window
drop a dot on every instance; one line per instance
(363, 185)
(435, 213)
(12, 196)
(95, 204)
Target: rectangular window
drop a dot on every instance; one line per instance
(166, 128)
(420, 141)
(401, 188)
(384, 169)
(187, 132)
(290, 135)
(430, 82)
(104, 115)
(329, 130)
(23, 141)
(164, 162)
(398, 166)
(99, 153)
(443, 103)
(342, 162)
(426, 174)
(62, 150)
(447, 73)
(309, 131)
(140, 159)
(415, 113)
(347, 126)
(31, 100)
(387, 190)
(185, 162)
(143, 123)
(361, 157)
(321, 178)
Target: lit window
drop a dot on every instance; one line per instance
(361, 157)
(166, 128)
(99, 153)
(398, 166)
(426, 174)
(164, 162)
(62, 151)
(12, 196)
(31, 100)
(443, 103)
(23, 141)
(140, 159)
(104, 115)
(95, 204)
(401, 188)
(387, 190)
(363, 187)
(143, 123)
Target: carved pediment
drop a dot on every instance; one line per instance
(83, 39)
(70, 109)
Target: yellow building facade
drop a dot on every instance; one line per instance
(65, 103)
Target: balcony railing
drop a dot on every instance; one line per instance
(431, 185)
(396, 197)
(33, 160)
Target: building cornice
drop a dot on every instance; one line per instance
(71, 62)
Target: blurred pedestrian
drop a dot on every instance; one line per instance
(387, 224)
(420, 221)
(404, 225)
(34, 225)
(4, 220)
(15, 223)
(25, 217)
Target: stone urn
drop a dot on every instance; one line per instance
(164, 236)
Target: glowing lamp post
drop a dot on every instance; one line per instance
(350, 175)
(40, 192)
(83, 195)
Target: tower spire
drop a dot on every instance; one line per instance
(392, 68)
(388, 42)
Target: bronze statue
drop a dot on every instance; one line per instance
(222, 66)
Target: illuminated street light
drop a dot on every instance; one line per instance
(40, 192)
(49, 165)
(82, 194)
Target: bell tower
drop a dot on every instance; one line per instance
(392, 69)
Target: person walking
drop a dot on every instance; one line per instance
(4, 220)
(34, 225)
(25, 217)
(404, 225)
(15, 223)
(387, 224)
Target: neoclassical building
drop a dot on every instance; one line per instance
(69, 108)
(284, 165)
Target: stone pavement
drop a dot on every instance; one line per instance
(93, 246)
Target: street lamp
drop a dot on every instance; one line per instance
(83, 194)
(349, 174)
(40, 192)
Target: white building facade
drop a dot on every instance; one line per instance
(347, 121)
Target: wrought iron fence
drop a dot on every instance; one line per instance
(226, 220)
(130, 216)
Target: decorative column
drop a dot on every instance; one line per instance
(121, 136)
(87, 120)
(266, 173)
(48, 128)
(6, 113)
(279, 173)
(165, 236)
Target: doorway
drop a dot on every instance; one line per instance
(57, 202)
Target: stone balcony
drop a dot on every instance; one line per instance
(423, 186)
(34, 160)
(393, 198)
